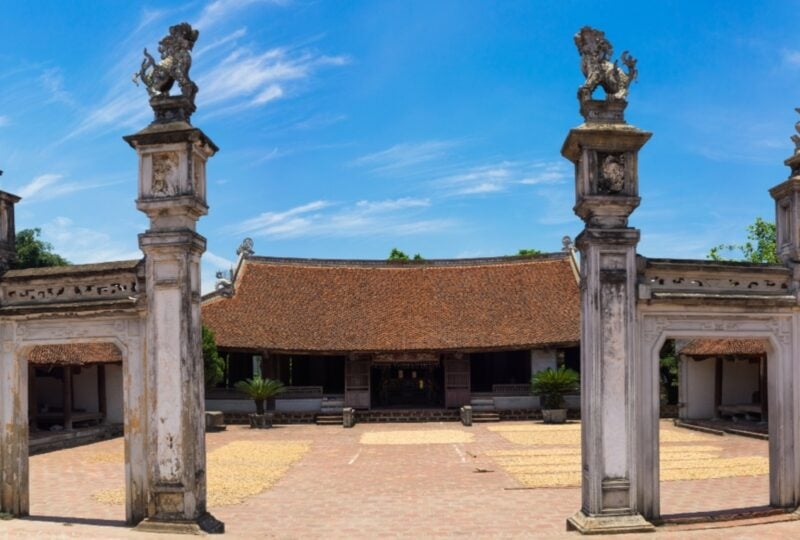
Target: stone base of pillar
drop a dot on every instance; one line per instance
(609, 524)
(205, 524)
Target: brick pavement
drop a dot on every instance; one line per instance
(343, 489)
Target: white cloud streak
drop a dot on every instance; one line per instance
(81, 245)
(50, 185)
(220, 10)
(391, 217)
(501, 176)
(404, 155)
(244, 79)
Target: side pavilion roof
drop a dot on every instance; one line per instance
(339, 306)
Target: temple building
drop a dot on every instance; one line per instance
(383, 335)
(723, 378)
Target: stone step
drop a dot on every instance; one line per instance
(329, 420)
(485, 417)
(482, 401)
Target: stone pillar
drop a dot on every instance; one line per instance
(8, 239)
(604, 151)
(172, 192)
(14, 422)
(787, 212)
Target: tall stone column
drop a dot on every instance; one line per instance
(604, 150)
(172, 192)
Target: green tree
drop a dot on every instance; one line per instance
(213, 363)
(760, 246)
(33, 252)
(397, 255)
(527, 252)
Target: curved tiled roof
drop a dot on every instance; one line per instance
(341, 306)
(75, 354)
(722, 347)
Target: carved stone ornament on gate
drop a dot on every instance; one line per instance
(159, 77)
(165, 168)
(596, 66)
(612, 174)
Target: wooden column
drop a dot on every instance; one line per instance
(32, 407)
(102, 400)
(717, 386)
(67, 395)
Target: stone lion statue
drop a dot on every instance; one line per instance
(596, 66)
(176, 59)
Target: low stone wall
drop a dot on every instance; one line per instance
(279, 418)
(424, 415)
(419, 415)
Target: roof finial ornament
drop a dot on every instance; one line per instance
(567, 245)
(159, 77)
(245, 249)
(596, 66)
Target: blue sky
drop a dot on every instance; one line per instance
(349, 128)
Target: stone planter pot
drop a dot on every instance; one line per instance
(554, 416)
(260, 421)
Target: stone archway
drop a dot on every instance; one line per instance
(630, 304)
(780, 330)
(149, 307)
(126, 334)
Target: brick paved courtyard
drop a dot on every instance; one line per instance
(431, 481)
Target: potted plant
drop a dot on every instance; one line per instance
(551, 385)
(260, 390)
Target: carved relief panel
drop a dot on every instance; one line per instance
(165, 180)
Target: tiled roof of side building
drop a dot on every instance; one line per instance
(722, 347)
(75, 354)
(307, 305)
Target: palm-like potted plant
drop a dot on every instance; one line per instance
(260, 390)
(551, 385)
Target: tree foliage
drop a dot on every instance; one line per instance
(397, 255)
(760, 246)
(33, 252)
(213, 363)
(527, 252)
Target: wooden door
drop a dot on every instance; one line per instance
(456, 380)
(356, 381)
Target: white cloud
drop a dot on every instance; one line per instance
(392, 217)
(791, 57)
(501, 176)
(244, 79)
(36, 185)
(52, 81)
(4, 120)
(230, 38)
(81, 245)
(49, 186)
(404, 155)
(219, 10)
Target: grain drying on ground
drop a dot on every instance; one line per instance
(550, 456)
(237, 470)
(539, 434)
(432, 436)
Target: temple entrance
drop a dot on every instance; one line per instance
(408, 384)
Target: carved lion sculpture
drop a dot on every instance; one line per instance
(176, 59)
(596, 66)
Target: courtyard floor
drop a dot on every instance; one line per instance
(433, 480)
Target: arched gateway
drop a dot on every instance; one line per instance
(631, 304)
(149, 310)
